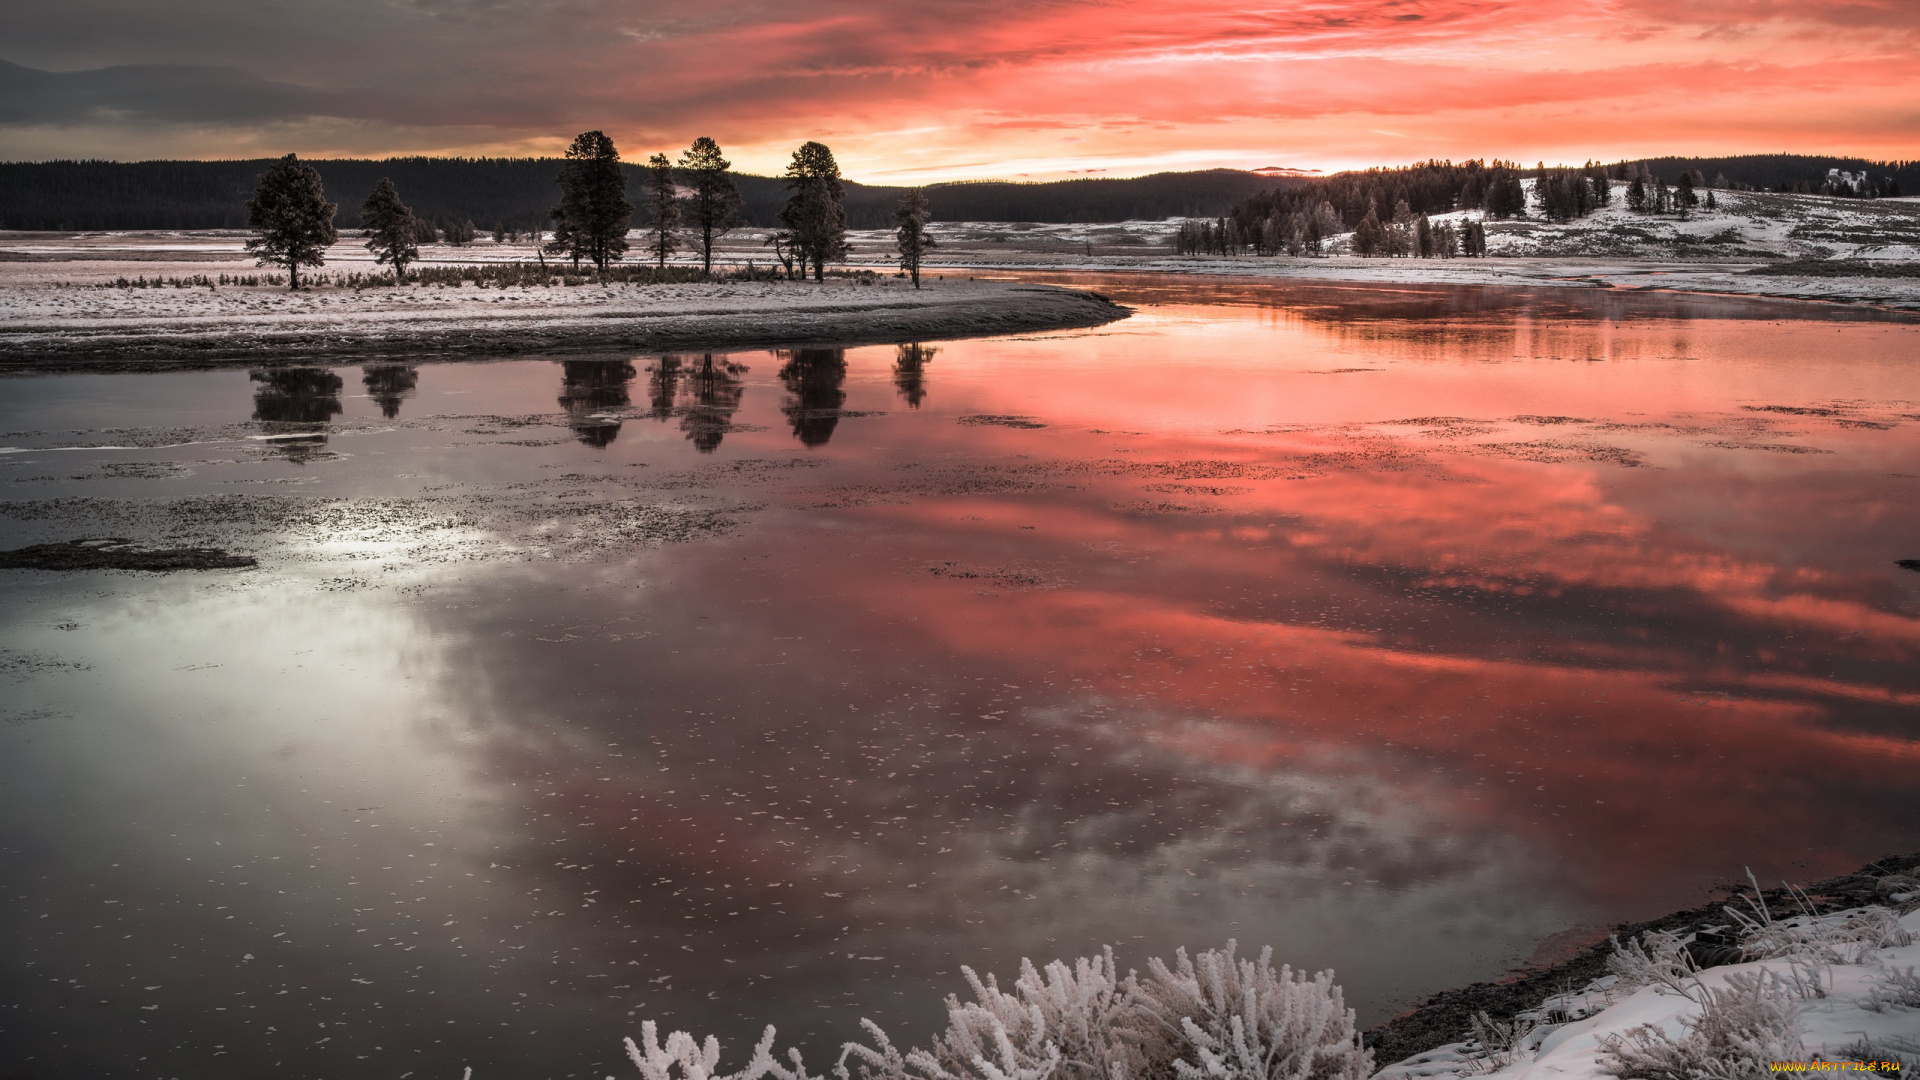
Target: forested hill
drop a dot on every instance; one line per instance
(1782, 172)
(517, 192)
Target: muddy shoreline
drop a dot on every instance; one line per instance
(1446, 1017)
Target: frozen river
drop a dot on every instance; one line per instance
(1412, 631)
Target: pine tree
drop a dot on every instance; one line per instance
(391, 229)
(814, 213)
(592, 218)
(713, 205)
(663, 209)
(291, 219)
(910, 231)
(1369, 234)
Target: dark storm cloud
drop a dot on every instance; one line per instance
(176, 93)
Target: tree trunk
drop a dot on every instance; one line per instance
(293, 275)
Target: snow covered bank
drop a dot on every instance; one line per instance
(48, 324)
(1838, 991)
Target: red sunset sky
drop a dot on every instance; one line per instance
(965, 88)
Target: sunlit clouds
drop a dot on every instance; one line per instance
(968, 89)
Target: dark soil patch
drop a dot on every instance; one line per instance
(1447, 1016)
(989, 420)
(112, 553)
(1840, 268)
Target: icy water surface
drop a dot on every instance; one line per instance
(1407, 631)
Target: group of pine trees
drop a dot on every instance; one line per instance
(1416, 236)
(1388, 212)
(693, 202)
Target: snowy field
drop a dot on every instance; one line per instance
(49, 306)
(1713, 251)
(48, 317)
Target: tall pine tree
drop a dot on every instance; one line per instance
(713, 203)
(663, 209)
(910, 231)
(592, 218)
(390, 229)
(814, 214)
(291, 219)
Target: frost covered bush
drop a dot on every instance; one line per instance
(1895, 989)
(1655, 958)
(1080, 1022)
(1501, 1042)
(701, 1061)
(1753, 1020)
(1845, 940)
(1241, 1020)
(1210, 1017)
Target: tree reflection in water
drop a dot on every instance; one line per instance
(293, 405)
(715, 390)
(909, 371)
(704, 396)
(588, 389)
(663, 385)
(814, 379)
(389, 384)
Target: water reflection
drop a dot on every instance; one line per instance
(389, 384)
(1254, 630)
(705, 395)
(815, 380)
(663, 386)
(909, 371)
(714, 390)
(589, 392)
(294, 405)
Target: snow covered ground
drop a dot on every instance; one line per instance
(1711, 251)
(48, 321)
(1834, 1002)
(51, 303)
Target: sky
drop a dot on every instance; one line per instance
(964, 89)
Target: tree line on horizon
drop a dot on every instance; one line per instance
(1388, 211)
(509, 197)
(692, 202)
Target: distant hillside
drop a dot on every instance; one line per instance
(517, 192)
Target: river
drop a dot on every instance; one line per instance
(1414, 632)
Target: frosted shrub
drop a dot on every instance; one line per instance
(1211, 1017)
(1740, 1028)
(1072, 1021)
(1238, 1020)
(1846, 940)
(1895, 989)
(701, 1061)
(1655, 958)
(1501, 1042)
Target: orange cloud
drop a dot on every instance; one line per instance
(990, 88)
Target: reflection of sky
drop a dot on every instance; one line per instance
(1411, 699)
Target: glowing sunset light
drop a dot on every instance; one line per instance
(971, 89)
